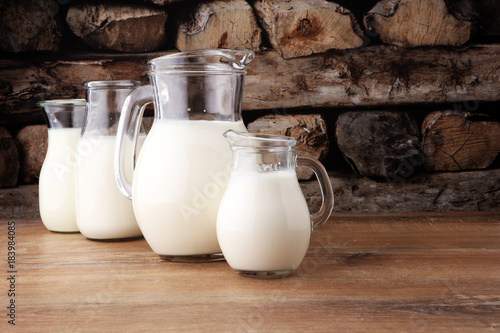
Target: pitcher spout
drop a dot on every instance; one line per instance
(204, 60)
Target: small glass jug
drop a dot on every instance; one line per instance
(183, 167)
(102, 211)
(56, 185)
(263, 224)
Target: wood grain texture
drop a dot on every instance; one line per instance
(413, 23)
(362, 273)
(378, 143)
(465, 191)
(454, 140)
(371, 76)
(298, 28)
(412, 192)
(218, 24)
(120, 27)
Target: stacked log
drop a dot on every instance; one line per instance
(126, 28)
(456, 140)
(22, 31)
(299, 28)
(412, 23)
(32, 141)
(218, 24)
(380, 144)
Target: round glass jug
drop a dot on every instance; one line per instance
(264, 225)
(183, 167)
(56, 185)
(102, 211)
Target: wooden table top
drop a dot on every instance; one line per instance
(422, 272)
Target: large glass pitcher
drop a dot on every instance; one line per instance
(183, 167)
(264, 225)
(57, 176)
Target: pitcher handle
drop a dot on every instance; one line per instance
(129, 126)
(322, 215)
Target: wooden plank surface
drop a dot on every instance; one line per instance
(377, 273)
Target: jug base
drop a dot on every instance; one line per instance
(194, 258)
(126, 239)
(265, 274)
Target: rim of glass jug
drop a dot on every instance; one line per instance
(240, 140)
(111, 84)
(61, 102)
(213, 61)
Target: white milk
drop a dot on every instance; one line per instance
(180, 177)
(264, 222)
(57, 181)
(103, 212)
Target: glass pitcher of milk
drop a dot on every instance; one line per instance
(102, 211)
(264, 225)
(56, 185)
(183, 167)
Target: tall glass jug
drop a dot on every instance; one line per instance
(264, 225)
(57, 177)
(102, 211)
(183, 167)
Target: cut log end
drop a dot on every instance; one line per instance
(414, 23)
(454, 141)
(124, 28)
(301, 28)
(218, 24)
(380, 144)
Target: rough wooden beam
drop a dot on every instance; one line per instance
(375, 76)
(437, 192)
(299, 28)
(412, 23)
(370, 76)
(441, 192)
